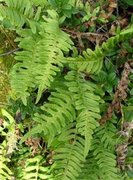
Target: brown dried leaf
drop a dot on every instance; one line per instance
(113, 5)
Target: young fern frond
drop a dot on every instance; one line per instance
(41, 58)
(56, 114)
(17, 13)
(68, 154)
(86, 104)
(34, 169)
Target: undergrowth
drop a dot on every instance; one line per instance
(66, 90)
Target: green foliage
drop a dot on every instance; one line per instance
(69, 154)
(8, 145)
(128, 2)
(35, 170)
(46, 63)
(92, 61)
(5, 172)
(60, 91)
(23, 13)
(55, 115)
(86, 104)
(101, 161)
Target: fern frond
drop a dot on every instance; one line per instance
(92, 61)
(56, 114)
(68, 154)
(5, 172)
(10, 135)
(86, 103)
(90, 170)
(41, 58)
(103, 151)
(17, 13)
(34, 169)
(101, 162)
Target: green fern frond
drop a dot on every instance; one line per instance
(90, 170)
(56, 114)
(11, 138)
(17, 13)
(41, 58)
(5, 172)
(103, 151)
(34, 169)
(68, 154)
(101, 161)
(92, 61)
(86, 103)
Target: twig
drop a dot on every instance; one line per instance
(117, 10)
(82, 34)
(10, 52)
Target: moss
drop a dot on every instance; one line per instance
(4, 84)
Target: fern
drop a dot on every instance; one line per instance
(5, 172)
(50, 78)
(68, 154)
(8, 145)
(90, 169)
(40, 60)
(86, 103)
(11, 138)
(92, 61)
(101, 161)
(17, 13)
(55, 115)
(35, 170)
